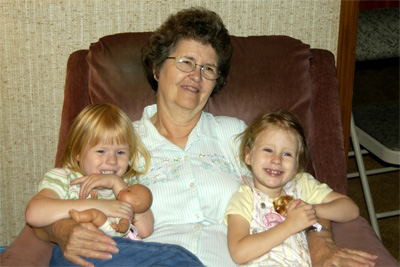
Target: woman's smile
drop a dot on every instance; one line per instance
(191, 89)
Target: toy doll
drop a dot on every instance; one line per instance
(138, 196)
(280, 204)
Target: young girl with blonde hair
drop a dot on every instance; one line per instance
(274, 149)
(102, 152)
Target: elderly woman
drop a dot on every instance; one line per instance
(195, 168)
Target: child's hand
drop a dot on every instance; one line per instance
(293, 204)
(300, 215)
(99, 181)
(116, 208)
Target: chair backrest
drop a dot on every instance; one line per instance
(267, 73)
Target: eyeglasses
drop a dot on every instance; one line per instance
(186, 64)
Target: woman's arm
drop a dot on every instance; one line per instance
(324, 251)
(337, 207)
(46, 208)
(78, 240)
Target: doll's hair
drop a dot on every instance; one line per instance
(282, 119)
(104, 124)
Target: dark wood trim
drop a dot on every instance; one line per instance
(345, 62)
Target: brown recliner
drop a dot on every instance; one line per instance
(267, 73)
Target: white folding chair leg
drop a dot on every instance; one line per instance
(364, 178)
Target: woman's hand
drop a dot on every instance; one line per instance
(99, 181)
(324, 252)
(78, 240)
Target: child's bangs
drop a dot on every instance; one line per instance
(109, 137)
(114, 137)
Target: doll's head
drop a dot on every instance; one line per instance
(280, 204)
(138, 196)
(103, 124)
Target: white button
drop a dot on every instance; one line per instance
(197, 216)
(191, 184)
(185, 157)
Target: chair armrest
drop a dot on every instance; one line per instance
(27, 250)
(325, 108)
(359, 235)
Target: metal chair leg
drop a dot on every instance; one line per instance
(364, 178)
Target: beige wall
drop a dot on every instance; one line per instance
(37, 36)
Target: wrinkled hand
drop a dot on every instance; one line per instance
(324, 252)
(84, 240)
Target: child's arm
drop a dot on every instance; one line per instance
(46, 207)
(144, 223)
(244, 247)
(100, 181)
(337, 207)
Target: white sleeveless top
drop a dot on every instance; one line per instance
(294, 250)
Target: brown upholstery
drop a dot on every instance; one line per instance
(267, 73)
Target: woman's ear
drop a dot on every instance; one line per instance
(155, 75)
(78, 157)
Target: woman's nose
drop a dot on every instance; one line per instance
(196, 73)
